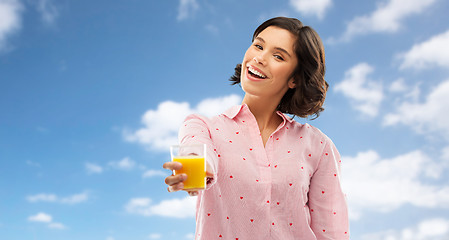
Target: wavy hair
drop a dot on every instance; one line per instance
(307, 98)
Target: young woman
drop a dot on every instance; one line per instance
(270, 177)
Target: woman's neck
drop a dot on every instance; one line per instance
(264, 111)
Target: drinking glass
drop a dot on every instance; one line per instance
(193, 160)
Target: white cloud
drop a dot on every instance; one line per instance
(388, 17)
(140, 206)
(445, 153)
(429, 229)
(405, 91)
(365, 94)
(54, 225)
(40, 217)
(154, 173)
(430, 116)
(10, 20)
(190, 236)
(383, 185)
(42, 198)
(175, 208)
(76, 198)
(124, 164)
(49, 12)
(161, 125)
(73, 199)
(155, 236)
(187, 8)
(414, 93)
(398, 86)
(110, 238)
(433, 52)
(46, 218)
(214, 106)
(92, 168)
(311, 7)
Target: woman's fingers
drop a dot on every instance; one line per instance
(172, 165)
(175, 179)
(176, 187)
(193, 193)
(174, 182)
(209, 174)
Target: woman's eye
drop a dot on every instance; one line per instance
(258, 46)
(279, 57)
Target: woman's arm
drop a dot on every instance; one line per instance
(327, 202)
(194, 130)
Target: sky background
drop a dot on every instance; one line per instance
(92, 94)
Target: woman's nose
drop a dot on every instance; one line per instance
(259, 59)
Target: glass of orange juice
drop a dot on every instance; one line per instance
(193, 160)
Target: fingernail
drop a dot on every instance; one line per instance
(184, 176)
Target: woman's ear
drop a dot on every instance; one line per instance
(291, 83)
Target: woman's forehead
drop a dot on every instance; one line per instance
(278, 37)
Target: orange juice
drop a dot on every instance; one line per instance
(194, 167)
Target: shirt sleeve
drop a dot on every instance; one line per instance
(195, 130)
(327, 202)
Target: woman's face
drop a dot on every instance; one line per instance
(269, 63)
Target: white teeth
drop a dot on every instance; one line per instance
(254, 71)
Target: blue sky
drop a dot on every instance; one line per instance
(92, 94)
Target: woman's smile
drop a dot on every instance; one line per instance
(255, 74)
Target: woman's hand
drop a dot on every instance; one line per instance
(175, 182)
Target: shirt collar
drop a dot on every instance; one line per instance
(235, 110)
(285, 117)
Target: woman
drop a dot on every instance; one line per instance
(269, 176)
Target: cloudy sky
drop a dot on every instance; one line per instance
(92, 94)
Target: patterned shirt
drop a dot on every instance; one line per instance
(288, 189)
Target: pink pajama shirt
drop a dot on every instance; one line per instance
(289, 189)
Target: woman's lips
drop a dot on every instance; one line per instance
(253, 78)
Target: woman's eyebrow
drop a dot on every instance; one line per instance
(277, 48)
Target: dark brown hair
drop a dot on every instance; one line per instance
(307, 98)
